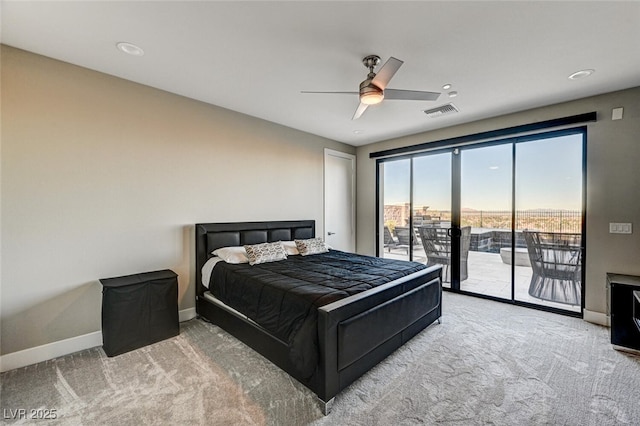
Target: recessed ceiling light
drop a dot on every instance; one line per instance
(581, 74)
(358, 132)
(453, 94)
(130, 48)
(446, 86)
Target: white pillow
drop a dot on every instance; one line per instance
(265, 252)
(207, 270)
(311, 246)
(236, 254)
(290, 247)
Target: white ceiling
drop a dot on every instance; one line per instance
(256, 57)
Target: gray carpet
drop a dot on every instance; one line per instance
(487, 363)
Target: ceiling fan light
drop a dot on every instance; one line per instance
(370, 94)
(371, 98)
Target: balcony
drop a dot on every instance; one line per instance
(489, 275)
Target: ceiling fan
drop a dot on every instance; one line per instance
(374, 89)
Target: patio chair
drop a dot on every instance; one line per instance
(402, 233)
(437, 246)
(556, 262)
(389, 241)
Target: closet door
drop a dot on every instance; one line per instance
(339, 200)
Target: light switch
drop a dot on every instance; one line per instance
(616, 113)
(620, 228)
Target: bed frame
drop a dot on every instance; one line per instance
(354, 334)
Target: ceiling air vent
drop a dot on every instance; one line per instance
(441, 110)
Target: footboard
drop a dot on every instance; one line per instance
(358, 332)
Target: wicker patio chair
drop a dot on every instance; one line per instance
(437, 246)
(556, 262)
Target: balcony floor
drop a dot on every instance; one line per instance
(488, 275)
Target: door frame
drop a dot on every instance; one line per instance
(456, 149)
(352, 158)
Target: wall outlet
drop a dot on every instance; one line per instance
(620, 228)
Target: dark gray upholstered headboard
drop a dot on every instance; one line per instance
(211, 236)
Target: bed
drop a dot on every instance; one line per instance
(345, 337)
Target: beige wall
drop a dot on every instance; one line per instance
(613, 182)
(103, 177)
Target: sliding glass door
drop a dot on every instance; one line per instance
(395, 192)
(415, 192)
(432, 209)
(504, 218)
(486, 219)
(548, 222)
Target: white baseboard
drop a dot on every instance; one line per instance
(187, 314)
(49, 351)
(596, 318)
(64, 347)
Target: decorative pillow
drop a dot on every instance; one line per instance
(265, 252)
(311, 246)
(236, 254)
(290, 247)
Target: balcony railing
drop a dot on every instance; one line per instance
(548, 220)
(492, 228)
(545, 220)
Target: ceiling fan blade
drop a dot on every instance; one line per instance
(387, 72)
(410, 95)
(361, 109)
(331, 93)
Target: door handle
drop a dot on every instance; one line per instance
(331, 233)
(454, 232)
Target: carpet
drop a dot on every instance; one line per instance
(487, 363)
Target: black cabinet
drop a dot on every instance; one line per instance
(624, 310)
(138, 310)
